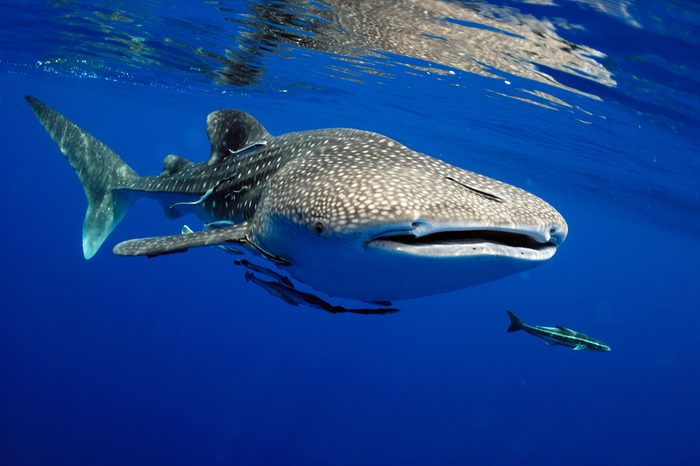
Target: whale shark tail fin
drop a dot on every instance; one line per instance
(102, 173)
(515, 322)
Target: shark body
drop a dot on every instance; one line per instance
(351, 213)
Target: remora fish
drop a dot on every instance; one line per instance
(557, 335)
(348, 212)
(292, 296)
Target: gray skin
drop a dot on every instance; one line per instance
(348, 212)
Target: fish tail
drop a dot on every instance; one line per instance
(102, 174)
(515, 322)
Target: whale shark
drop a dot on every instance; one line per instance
(350, 213)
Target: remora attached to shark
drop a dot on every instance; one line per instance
(350, 213)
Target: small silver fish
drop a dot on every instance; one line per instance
(557, 335)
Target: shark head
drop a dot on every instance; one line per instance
(362, 216)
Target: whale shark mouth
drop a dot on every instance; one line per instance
(463, 243)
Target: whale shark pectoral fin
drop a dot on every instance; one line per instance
(160, 245)
(579, 347)
(186, 230)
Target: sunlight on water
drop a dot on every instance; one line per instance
(369, 38)
(223, 42)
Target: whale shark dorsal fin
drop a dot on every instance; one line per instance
(159, 245)
(231, 132)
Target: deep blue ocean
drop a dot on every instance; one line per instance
(593, 105)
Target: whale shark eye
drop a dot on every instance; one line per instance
(319, 227)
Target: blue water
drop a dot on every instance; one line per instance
(179, 361)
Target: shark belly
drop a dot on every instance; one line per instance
(346, 267)
(379, 276)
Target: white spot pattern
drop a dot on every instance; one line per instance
(350, 179)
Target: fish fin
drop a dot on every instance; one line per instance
(160, 245)
(102, 173)
(218, 224)
(230, 250)
(565, 331)
(186, 230)
(232, 132)
(549, 343)
(173, 164)
(515, 323)
(579, 347)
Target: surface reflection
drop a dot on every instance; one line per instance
(435, 36)
(219, 41)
